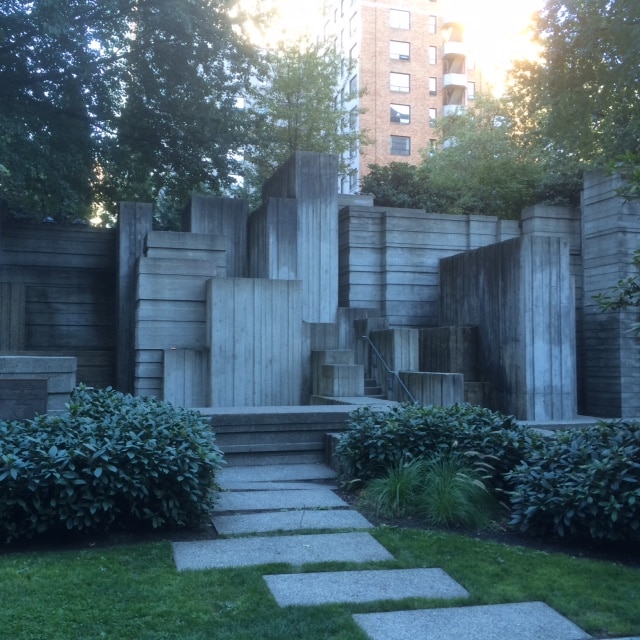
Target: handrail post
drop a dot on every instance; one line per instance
(389, 371)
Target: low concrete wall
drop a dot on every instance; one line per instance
(441, 389)
(60, 374)
(520, 295)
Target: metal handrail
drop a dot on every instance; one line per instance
(389, 371)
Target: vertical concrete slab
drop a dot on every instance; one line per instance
(311, 178)
(12, 316)
(186, 377)
(450, 350)
(399, 350)
(222, 217)
(520, 295)
(134, 223)
(440, 389)
(255, 335)
(610, 235)
(273, 240)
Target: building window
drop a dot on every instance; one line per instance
(433, 115)
(471, 90)
(400, 82)
(353, 180)
(399, 50)
(353, 25)
(433, 24)
(400, 113)
(353, 86)
(433, 86)
(353, 119)
(433, 55)
(400, 146)
(433, 146)
(352, 53)
(399, 19)
(353, 149)
(341, 7)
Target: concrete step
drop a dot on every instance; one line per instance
(524, 621)
(281, 499)
(304, 589)
(295, 550)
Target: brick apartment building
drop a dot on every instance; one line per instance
(410, 58)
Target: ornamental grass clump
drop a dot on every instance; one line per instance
(111, 461)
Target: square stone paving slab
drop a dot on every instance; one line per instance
(519, 621)
(276, 472)
(295, 550)
(290, 521)
(362, 586)
(265, 500)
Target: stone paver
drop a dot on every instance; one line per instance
(290, 521)
(231, 485)
(520, 621)
(296, 550)
(362, 586)
(277, 472)
(265, 500)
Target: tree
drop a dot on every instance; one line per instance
(295, 109)
(117, 99)
(581, 98)
(398, 184)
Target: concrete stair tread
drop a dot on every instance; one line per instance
(281, 499)
(276, 473)
(362, 586)
(292, 520)
(294, 550)
(524, 621)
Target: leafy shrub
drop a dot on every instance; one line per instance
(584, 483)
(110, 461)
(378, 440)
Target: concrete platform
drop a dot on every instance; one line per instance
(270, 500)
(295, 550)
(275, 473)
(294, 520)
(362, 586)
(521, 621)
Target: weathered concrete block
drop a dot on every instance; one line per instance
(12, 316)
(450, 350)
(441, 389)
(186, 377)
(60, 374)
(341, 380)
(323, 357)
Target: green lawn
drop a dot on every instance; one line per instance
(135, 593)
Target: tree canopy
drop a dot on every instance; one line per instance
(295, 109)
(117, 99)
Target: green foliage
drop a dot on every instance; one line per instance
(378, 440)
(398, 184)
(114, 100)
(294, 109)
(581, 484)
(580, 98)
(110, 461)
(447, 488)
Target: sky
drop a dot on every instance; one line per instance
(495, 30)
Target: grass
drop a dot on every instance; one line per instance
(134, 592)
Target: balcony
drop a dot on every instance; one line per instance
(454, 49)
(455, 80)
(454, 109)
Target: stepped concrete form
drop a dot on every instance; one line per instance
(295, 550)
(362, 586)
(520, 621)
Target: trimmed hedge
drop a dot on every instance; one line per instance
(584, 483)
(111, 461)
(376, 441)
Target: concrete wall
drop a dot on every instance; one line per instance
(389, 258)
(255, 337)
(520, 294)
(610, 235)
(311, 178)
(57, 295)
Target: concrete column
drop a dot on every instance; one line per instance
(134, 223)
(610, 235)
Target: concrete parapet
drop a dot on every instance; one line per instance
(59, 372)
(441, 389)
